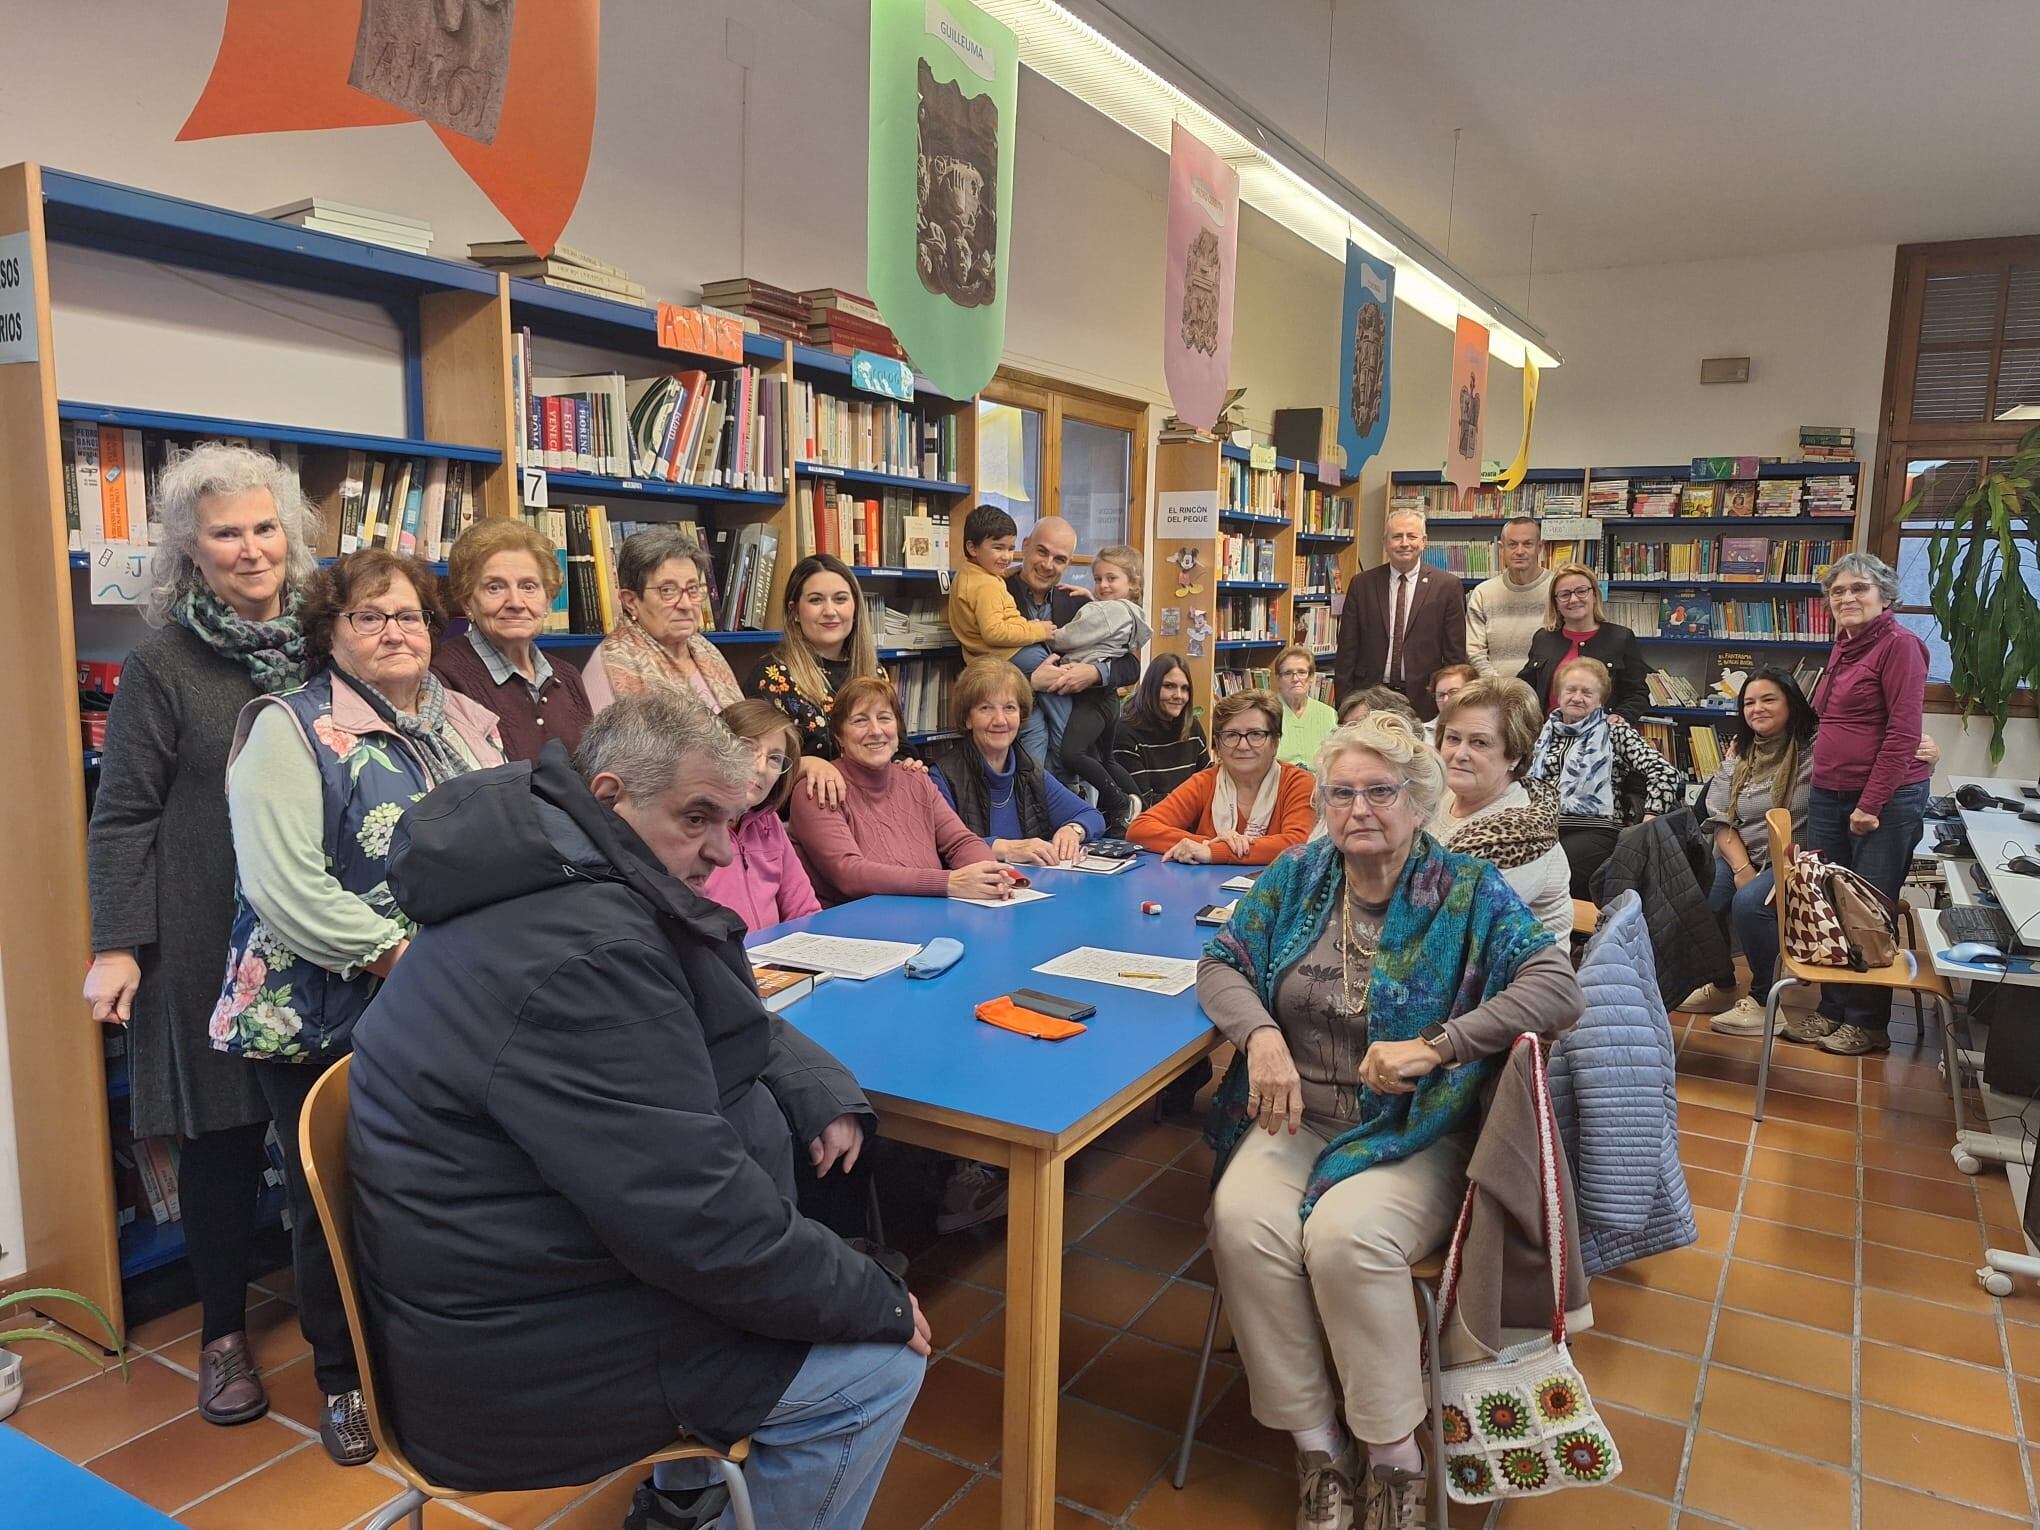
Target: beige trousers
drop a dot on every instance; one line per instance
(1340, 1278)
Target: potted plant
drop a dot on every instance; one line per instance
(10, 1363)
(1980, 565)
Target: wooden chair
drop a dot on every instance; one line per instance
(1424, 1275)
(322, 1137)
(1911, 972)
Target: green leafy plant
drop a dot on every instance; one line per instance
(9, 1336)
(1987, 613)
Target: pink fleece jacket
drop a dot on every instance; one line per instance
(764, 881)
(893, 834)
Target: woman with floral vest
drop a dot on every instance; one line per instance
(316, 781)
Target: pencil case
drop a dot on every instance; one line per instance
(935, 958)
(1007, 1015)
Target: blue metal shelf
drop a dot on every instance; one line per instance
(79, 561)
(812, 361)
(302, 435)
(1251, 518)
(771, 636)
(652, 488)
(606, 321)
(886, 480)
(1341, 538)
(1310, 598)
(567, 639)
(1731, 586)
(876, 571)
(1418, 476)
(1842, 523)
(146, 1245)
(1463, 523)
(931, 737)
(1738, 642)
(1273, 586)
(1231, 644)
(920, 653)
(1242, 454)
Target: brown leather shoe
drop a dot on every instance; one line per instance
(229, 1390)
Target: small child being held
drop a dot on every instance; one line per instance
(982, 612)
(1108, 626)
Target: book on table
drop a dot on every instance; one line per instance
(780, 986)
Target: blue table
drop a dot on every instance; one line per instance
(944, 1080)
(40, 1488)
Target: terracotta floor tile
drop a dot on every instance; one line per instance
(1772, 1414)
(1202, 1271)
(1760, 1489)
(1179, 1314)
(1807, 1357)
(1811, 1082)
(1908, 1381)
(1730, 1070)
(1708, 1188)
(1175, 1193)
(1104, 1291)
(1643, 1379)
(1156, 1142)
(1792, 1248)
(1807, 1171)
(976, 1255)
(2029, 1406)
(2023, 1305)
(274, 1339)
(1720, 1094)
(280, 1282)
(1715, 1229)
(602, 1509)
(187, 1458)
(1811, 1109)
(91, 1418)
(1104, 1459)
(958, 1412)
(1918, 1098)
(1081, 1213)
(979, 1510)
(1940, 1197)
(1608, 1508)
(1951, 1463)
(1148, 1381)
(526, 1511)
(1922, 1232)
(1914, 1158)
(172, 1325)
(1697, 1152)
(1683, 1272)
(1221, 1490)
(1788, 1294)
(1152, 1242)
(294, 1393)
(1806, 1137)
(1114, 1176)
(1927, 1131)
(1706, 1121)
(1795, 1207)
(1197, 1159)
(1996, 1194)
(304, 1488)
(1078, 1346)
(1971, 1337)
(916, 1486)
(2025, 1347)
(1230, 1425)
(1950, 1281)
(1650, 1448)
(952, 1308)
(1895, 1508)
(1637, 1313)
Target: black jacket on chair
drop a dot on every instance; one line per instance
(573, 1144)
(1665, 861)
(1613, 644)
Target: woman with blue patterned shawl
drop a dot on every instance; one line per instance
(1372, 982)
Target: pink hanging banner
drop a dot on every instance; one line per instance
(1467, 405)
(1204, 219)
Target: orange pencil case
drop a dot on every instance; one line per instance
(1007, 1015)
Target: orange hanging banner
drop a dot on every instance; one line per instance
(715, 335)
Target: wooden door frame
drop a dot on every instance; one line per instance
(1057, 401)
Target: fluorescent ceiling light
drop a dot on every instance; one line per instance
(2022, 412)
(1098, 57)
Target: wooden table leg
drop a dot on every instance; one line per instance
(1034, 1254)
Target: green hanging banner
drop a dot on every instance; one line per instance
(944, 81)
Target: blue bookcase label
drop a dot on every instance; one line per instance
(886, 376)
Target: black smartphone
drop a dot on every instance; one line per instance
(1049, 1004)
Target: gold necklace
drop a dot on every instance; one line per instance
(1347, 940)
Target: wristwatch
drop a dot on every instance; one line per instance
(1433, 1036)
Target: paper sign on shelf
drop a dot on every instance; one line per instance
(1261, 457)
(537, 489)
(1328, 474)
(714, 335)
(117, 574)
(887, 376)
(17, 300)
(1186, 515)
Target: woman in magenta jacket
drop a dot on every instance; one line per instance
(1869, 783)
(764, 881)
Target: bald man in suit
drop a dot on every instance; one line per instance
(1403, 620)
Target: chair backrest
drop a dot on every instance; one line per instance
(1778, 830)
(322, 1140)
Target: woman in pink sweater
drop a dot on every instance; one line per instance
(764, 881)
(893, 832)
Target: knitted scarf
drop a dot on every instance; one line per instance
(273, 652)
(1586, 769)
(1454, 936)
(636, 661)
(424, 732)
(1776, 758)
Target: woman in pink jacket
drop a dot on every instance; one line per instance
(764, 881)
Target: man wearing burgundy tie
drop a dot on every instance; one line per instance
(1402, 621)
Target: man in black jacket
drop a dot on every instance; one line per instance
(573, 1135)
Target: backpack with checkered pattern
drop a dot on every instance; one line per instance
(1835, 917)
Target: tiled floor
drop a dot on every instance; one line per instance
(1824, 1356)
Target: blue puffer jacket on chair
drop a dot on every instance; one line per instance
(1613, 1080)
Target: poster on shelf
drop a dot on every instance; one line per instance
(1197, 285)
(1186, 515)
(1467, 404)
(944, 85)
(1366, 334)
(1512, 476)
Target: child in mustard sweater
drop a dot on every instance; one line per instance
(982, 612)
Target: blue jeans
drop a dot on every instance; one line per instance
(1755, 924)
(1882, 857)
(1042, 734)
(817, 1459)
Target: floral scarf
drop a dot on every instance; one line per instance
(273, 652)
(425, 732)
(636, 662)
(1586, 767)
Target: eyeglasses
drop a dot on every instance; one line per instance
(776, 762)
(1851, 589)
(1380, 795)
(1575, 594)
(671, 594)
(1244, 738)
(371, 623)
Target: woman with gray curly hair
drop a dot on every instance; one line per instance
(1869, 781)
(225, 590)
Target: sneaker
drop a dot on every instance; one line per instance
(1324, 1490)
(1854, 1041)
(1395, 1499)
(1744, 1018)
(343, 1429)
(976, 1193)
(654, 1509)
(229, 1391)
(1711, 1000)
(1808, 1028)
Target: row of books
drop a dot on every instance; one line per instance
(1772, 560)
(1315, 574)
(1249, 618)
(1316, 628)
(586, 543)
(1241, 556)
(109, 473)
(887, 528)
(1255, 491)
(826, 317)
(145, 1176)
(1325, 512)
(1639, 498)
(1802, 618)
(924, 692)
(415, 506)
(874, 436)
(1489, 502)
(1230, 682)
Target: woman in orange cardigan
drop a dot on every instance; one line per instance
(1245, 810)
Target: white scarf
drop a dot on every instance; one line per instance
(1225, 802)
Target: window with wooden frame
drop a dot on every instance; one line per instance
(1961, 385)
(1049, 448)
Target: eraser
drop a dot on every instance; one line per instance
(1150, 907)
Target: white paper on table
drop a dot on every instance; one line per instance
(1125, 969)
(1237, 884)
(838, 955)
(1096, 865)
(1017, 895)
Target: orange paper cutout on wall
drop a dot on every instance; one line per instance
(283, 65)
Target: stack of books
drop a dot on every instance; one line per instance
(1778, 496)
(778, 311)
(1834, 495)
(1608, 498)
(362, 223)
(1654, 498)
(1827, 443)
(567, 268)
(842, 322)
(909, 622)
(1228, 424)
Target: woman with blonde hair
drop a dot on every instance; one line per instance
(663, 582)
(826, 644)
(1576, 626)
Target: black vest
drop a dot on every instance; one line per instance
(964, 769)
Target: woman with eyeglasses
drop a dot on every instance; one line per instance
(764, 880)
(1371, 984)
(317, 781)
(1243, 811)
(663, 582)
(1576, 626)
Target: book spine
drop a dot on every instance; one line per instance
(584, 432)
(113, 484)
(85, 470)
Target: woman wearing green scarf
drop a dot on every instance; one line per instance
(225, 588)
(1372, 982)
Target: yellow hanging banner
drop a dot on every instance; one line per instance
(1513, 478)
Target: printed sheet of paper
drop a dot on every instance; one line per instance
(1125, 969)
(1017, 895)
(1237, 884)
(837, 955)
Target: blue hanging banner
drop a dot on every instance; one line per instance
(1364, 343)
(884, 375)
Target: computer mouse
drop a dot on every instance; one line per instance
(2029, 815)
(2024, 865)
(1975, 951)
